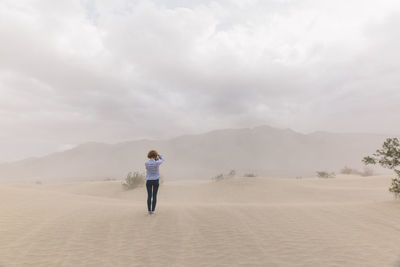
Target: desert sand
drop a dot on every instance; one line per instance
(344, 221)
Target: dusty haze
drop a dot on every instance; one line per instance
(262, 151)
(277, 88)
(83, 70)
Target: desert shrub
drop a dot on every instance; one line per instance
(365, 172)
(348, 170)
(218, 177)
(38, 182)
(325, 174)
(222, 176)
(249, 175)
(395, 186)
(388, 157)
(133, 180)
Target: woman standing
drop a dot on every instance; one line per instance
(152, 179)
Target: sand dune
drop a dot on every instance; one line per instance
(346, 221)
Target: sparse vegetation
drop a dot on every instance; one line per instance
(249, 175)
(365, 172)
(133, 180)
(222, 176)
(218, 177)
(38, 182)
(388, 157)
(325, 174)
(347, 170)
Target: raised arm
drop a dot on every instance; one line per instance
(160, 159)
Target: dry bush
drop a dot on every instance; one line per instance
(365, 172)
(218, 177)
(232, 173)
(222, 176)
(249, 175)
(325, 174)
(134, 180)
(348, 170)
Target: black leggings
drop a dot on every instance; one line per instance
(152, 189)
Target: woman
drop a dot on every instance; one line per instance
(152, 179)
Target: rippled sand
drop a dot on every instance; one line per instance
(346, 221)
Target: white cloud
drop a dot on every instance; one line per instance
(74, 71)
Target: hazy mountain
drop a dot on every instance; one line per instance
(262, 150)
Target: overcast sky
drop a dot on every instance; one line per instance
(75, 71)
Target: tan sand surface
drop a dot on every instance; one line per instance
(345, 221)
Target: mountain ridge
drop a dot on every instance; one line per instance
(263, 150)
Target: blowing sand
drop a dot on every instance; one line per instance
(346, 221)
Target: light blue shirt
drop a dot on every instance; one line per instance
(152, 168)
